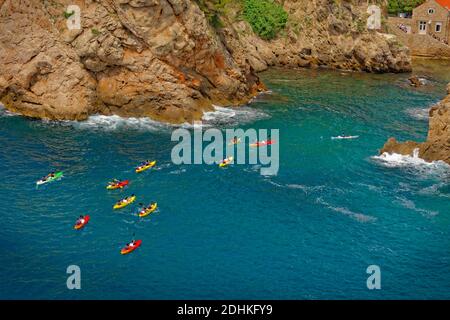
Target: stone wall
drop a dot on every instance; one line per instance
(420, 45)
(440, 15)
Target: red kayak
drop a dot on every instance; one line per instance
(262, 143)
(79, 226)
(118, 185)
(129, 249)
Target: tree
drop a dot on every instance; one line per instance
(398, 6)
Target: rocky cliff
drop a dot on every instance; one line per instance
(328, 33)
(164, 58)
(437, 145)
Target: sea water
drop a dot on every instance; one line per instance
(310, 232)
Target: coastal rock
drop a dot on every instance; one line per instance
(321, 33)
(437, 145)
(41, 76)
(160, 59)
(165, 59)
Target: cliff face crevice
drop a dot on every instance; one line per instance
(437, 145)
(163, 59)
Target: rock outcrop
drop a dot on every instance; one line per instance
(319, 33)
(437, 145)
(131, 57)
(163, 59)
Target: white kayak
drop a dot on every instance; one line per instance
(344, 137)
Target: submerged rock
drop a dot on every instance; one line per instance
(437, 145)
(415, 81)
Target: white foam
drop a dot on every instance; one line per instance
(238, 115)
(395, 160)
(304, 188)
(418, 113)
(412, 206)
(114, 122)
(220, 116)
(5, 112)
(354, 215)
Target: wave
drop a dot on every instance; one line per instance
(232, 116)
(441, 189)
(354, 215)
(418, 113)
(220, 116)
(114, 122)
(395, 160)
(412, 206)
(5, 112)
(306, 189)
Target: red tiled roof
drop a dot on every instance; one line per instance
(444, 3)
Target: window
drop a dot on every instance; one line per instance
(438, 26)
(422, 26)
(430, 11)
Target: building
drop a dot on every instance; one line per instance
(432, 18)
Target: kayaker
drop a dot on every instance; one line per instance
(80, 220)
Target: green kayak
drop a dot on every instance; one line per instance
(50, 178)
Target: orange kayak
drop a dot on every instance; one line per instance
(129, 249)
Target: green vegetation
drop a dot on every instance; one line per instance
(266, 17)
(360, 25)
(95, 32)
(399, 6)
(215, 9)
(67, 15)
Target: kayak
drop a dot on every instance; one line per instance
(118, 185)
(50, 179)
(79, 226)
(121, 205)
(226, 162)
(147, 166)
(145, 213)
(262, 143)
(128, 249)
(344, 137)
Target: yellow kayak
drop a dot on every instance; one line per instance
(128, 201)
(226, 162)
(148, 210)
(143, 168)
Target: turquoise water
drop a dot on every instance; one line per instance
(308, 233)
